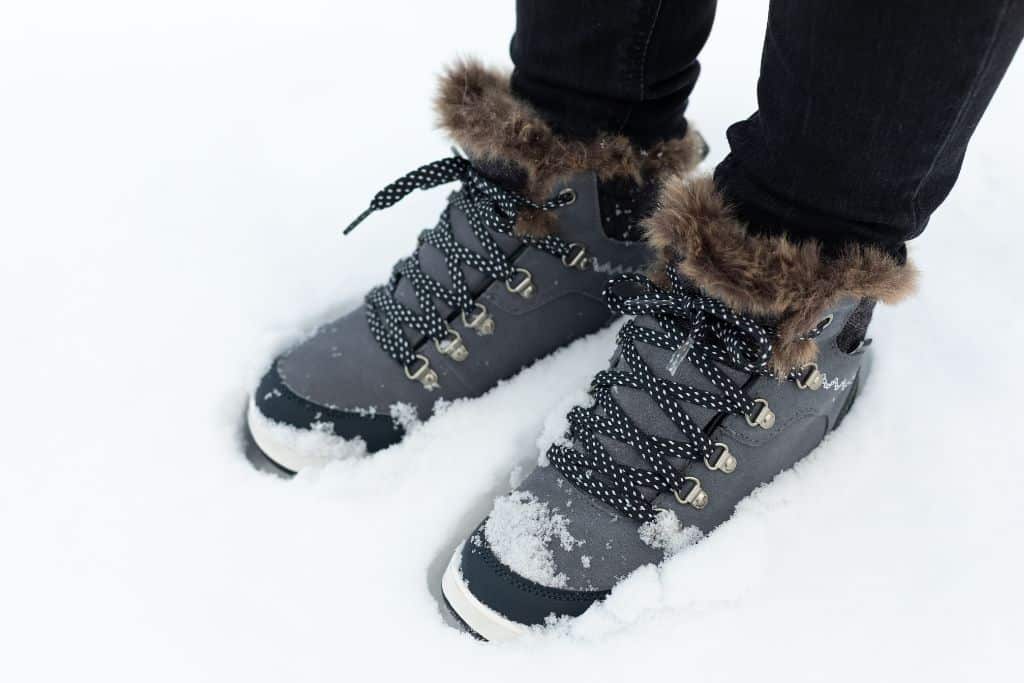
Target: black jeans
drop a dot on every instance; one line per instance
(864, 112)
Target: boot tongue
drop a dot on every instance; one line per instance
(644, 411)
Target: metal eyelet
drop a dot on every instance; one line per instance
(567, 195)
(763, 418)
(726, 461)
(810, 377)
(481, 322)
(525, 287)
(576, 257)
(423, 374)
(451, 345)
(697, 496)
(824, 323)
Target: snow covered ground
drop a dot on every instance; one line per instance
(173, 179)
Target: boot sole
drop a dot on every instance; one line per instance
(256, 457)
(478, 619)
(285, 460)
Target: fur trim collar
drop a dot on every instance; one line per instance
(476, 108)
(791, 284)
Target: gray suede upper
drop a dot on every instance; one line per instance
(611, 542)
(344, 368)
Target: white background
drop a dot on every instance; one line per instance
(173, 180)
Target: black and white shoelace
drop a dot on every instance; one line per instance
(698, 330)
(489, 208)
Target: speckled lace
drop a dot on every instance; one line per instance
(698, 330)
(489, 208)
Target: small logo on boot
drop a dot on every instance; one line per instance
(609, 269)
(836, 384)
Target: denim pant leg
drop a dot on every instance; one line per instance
(864, 113)
(626, 66)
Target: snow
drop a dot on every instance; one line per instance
(319, 442)
(404, 415)
(516, 476)
(174, 180)
(520, 531)
(665, 533)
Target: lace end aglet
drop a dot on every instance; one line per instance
(359, 219)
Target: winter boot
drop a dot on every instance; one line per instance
(513, 271)
(744, 353)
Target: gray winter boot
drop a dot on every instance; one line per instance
(741, 358)
(513, 271)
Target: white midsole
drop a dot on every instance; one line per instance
(270, 446)
(295, 449)
(478, 616)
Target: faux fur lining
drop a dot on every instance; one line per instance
(476, 108)
(792, 284)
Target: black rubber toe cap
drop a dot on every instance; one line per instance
(276, 401)
(512, 596)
